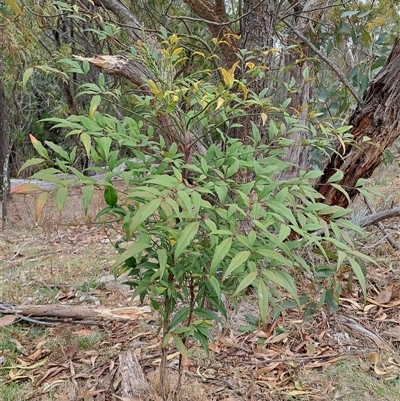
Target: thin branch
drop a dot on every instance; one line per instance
(213, 22)
(333, 67)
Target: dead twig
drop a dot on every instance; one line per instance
(381, 226)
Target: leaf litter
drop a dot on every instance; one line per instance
(74, 360)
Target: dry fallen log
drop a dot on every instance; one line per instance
(76, 313)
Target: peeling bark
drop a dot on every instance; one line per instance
(378, 118)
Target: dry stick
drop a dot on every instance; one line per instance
(377, 217)
(381, 226)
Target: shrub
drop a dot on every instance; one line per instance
(201, 227)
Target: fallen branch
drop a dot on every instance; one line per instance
(57, 312)
(382, 228)
(377, 217)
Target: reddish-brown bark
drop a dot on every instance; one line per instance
(378, 118)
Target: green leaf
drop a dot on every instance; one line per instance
(142, 214)
(246, 281)
(336, 177)
(87, 142)
(187, 235)
(103, 146)
(221, 191)
(359, 274)
(177, 174)
(94, 104)
(342, 190)
(179, 317)
(39, 147)
(206, 314)
(236, 262)
(274, 256)
(232, 169)
(262, 295)
(58, 149)
(349, 13)
(215, 285)
(202, 339)
(31, 162)
(164, 181)
(61, 197)
(284, 232)
(221, 251)
(110, 196)
(87, 196)
(133, 250)
(312, 175)
(196, 200)
(282, 279)
(85, 66)
(162, 261)
(180, 347)
(185, 199)
(27, 74)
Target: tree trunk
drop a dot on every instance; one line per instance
(378, 118)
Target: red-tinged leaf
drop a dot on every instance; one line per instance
(7, 320)
(40, 202)
(39, 147)
(25, 188)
